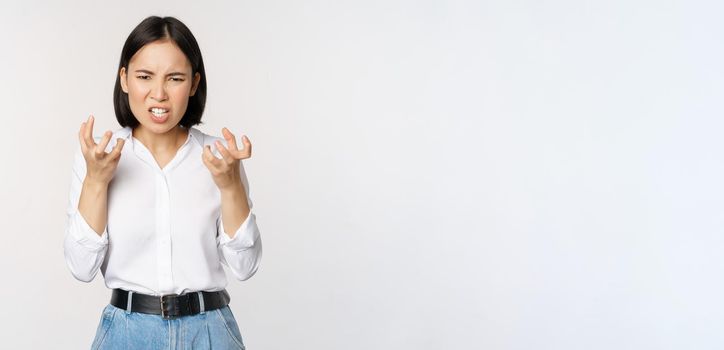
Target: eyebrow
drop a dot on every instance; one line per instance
(149, 72)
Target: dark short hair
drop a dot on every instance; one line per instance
(151, 29)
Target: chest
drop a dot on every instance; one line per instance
(143, 201)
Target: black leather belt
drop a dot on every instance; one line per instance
(171, 305)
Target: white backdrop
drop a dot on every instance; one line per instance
(426, 174)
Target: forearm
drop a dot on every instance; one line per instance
(93, 204)
(234, 208)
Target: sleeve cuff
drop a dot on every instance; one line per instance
(84, 235)
(245, 236)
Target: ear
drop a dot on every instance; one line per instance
(124, 79)
(195, 85)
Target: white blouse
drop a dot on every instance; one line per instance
(164, 233)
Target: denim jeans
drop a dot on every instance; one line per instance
(212, 329)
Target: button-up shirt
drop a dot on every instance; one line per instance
(165, 232)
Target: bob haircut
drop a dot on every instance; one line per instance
(151, 29)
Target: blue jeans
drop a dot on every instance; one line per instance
(212, 329)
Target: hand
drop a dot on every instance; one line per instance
(225, 171)
(100, 165)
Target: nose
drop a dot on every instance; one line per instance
(158, 92)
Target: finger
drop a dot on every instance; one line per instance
(101, 147)
(89, 132)
(247, 146)
(225, 153)
(207, 162)
(230, 139)
(246, 152)
(210, 159)
(209, 155)
(116, 151)
(81, 138)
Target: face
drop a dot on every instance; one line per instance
(158, 82)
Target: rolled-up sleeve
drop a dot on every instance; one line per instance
(242, 252)
(84, 249)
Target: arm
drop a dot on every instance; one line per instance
(234, 207)
(86, 238)
(93, 204)
(238, 235)
(84, 247)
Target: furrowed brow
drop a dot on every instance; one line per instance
(151, 73)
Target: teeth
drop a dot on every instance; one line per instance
(158, 110)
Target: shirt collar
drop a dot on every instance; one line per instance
(196, 135)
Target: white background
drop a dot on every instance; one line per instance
(426, 174)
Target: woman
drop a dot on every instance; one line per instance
(156, 209)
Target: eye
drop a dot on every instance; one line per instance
(177, 79)
(144, 77)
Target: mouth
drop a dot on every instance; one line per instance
(158, 115)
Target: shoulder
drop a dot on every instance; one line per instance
(122, 132)
(79, 160)
(204, 139)
(119, 133)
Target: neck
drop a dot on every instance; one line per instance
(166, 142)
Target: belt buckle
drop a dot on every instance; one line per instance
(169, 299)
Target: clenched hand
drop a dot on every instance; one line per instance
(100, 166)
(225, 171)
